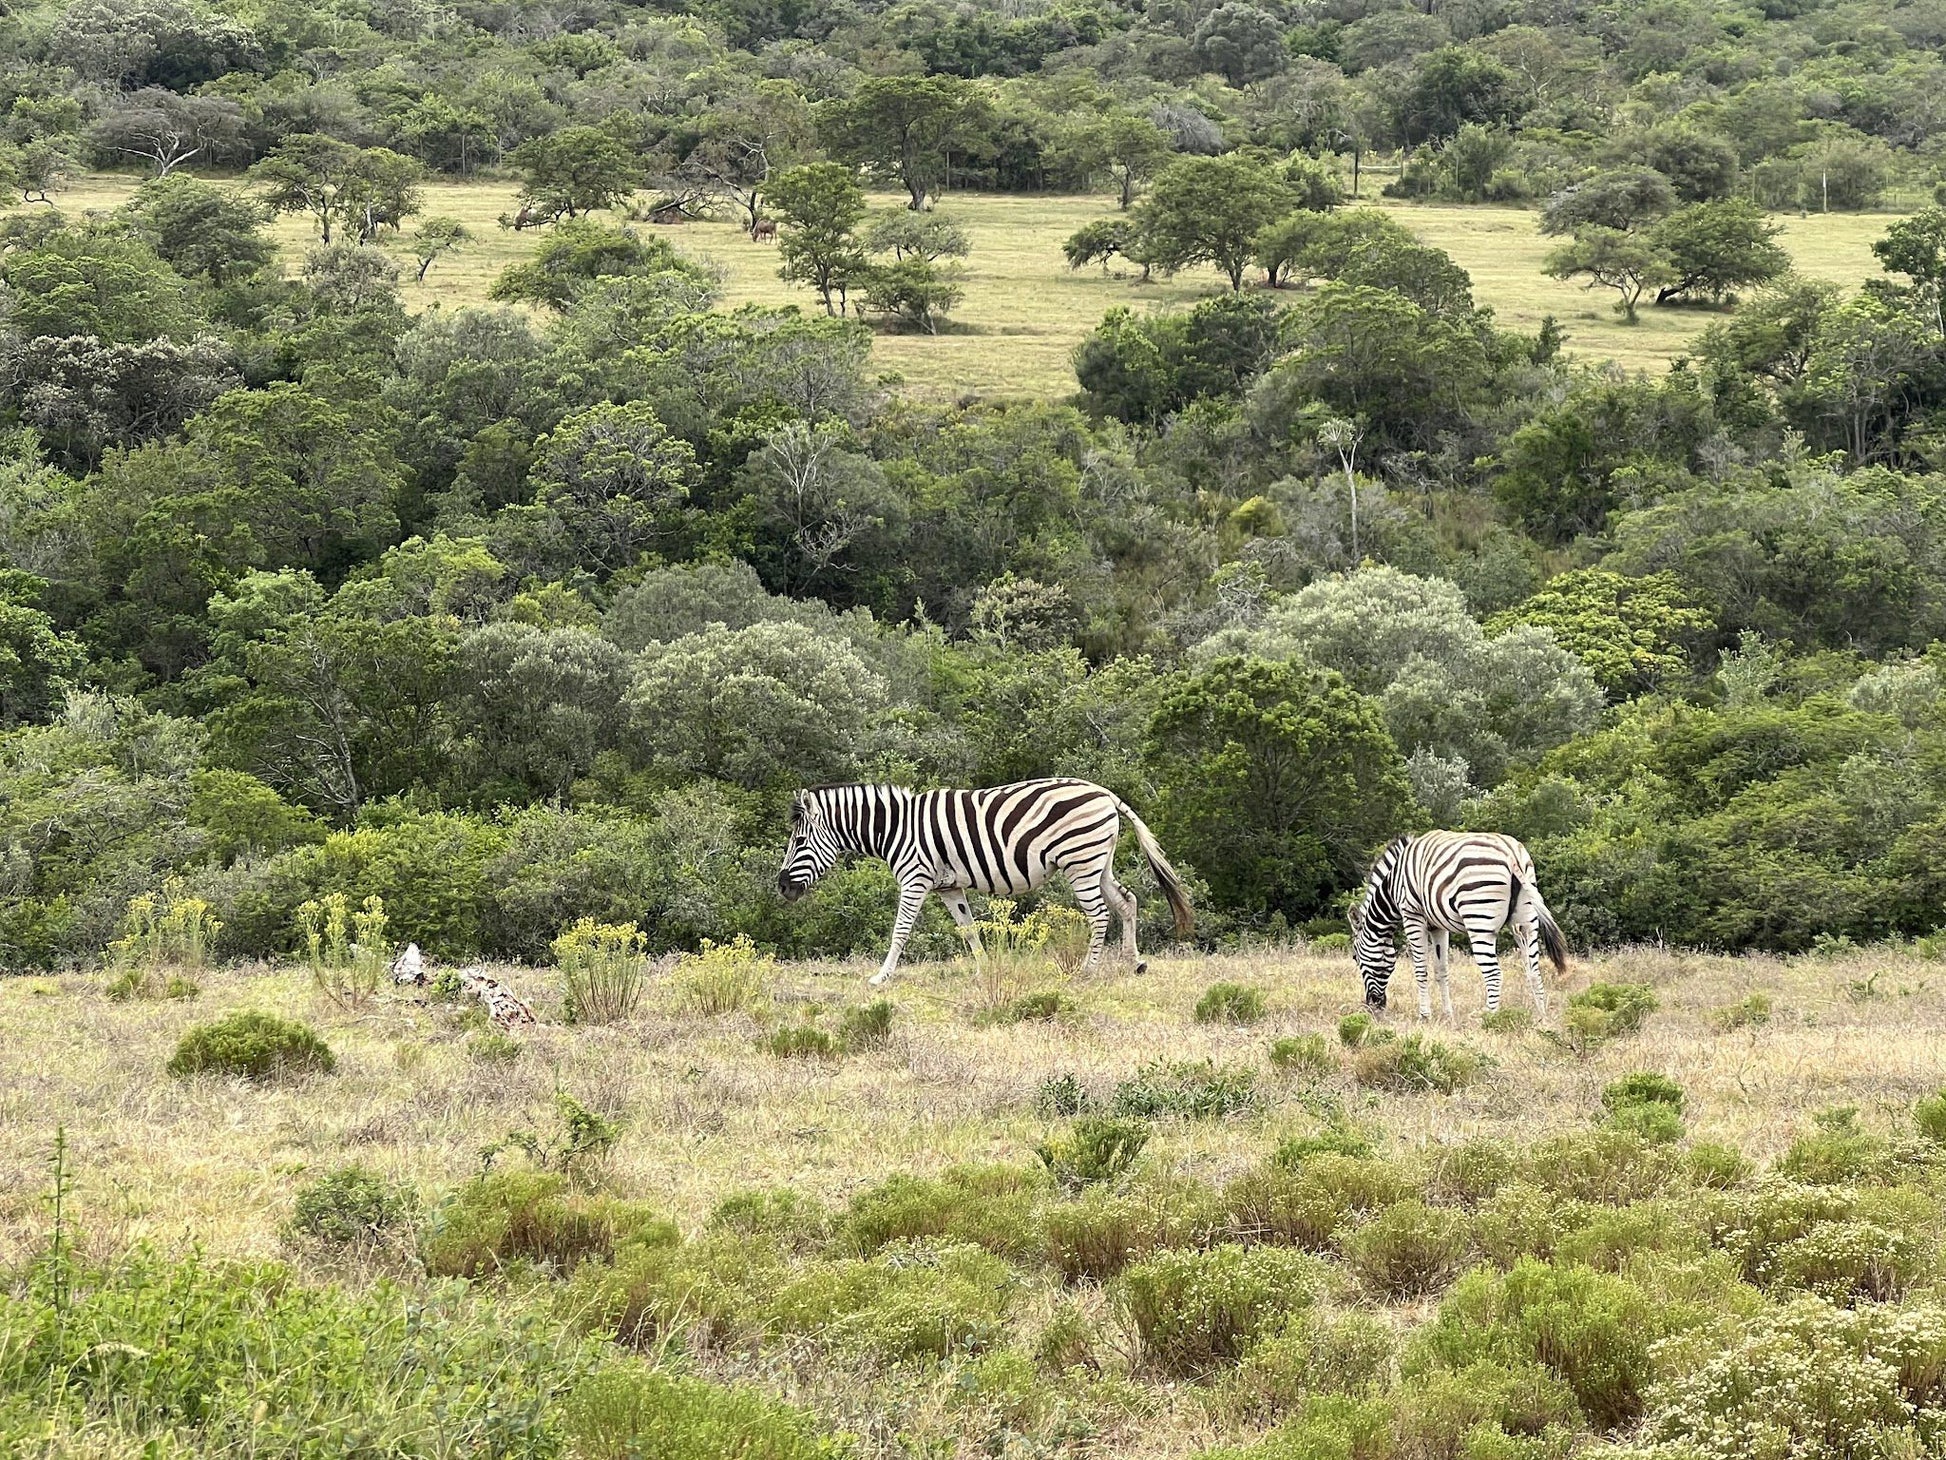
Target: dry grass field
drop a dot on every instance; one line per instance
(1025, 310)
(706, 1113)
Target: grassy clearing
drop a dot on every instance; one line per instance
(1025, 310)
(706, 1113)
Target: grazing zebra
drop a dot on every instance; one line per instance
(1005, 839)
(1447, 882)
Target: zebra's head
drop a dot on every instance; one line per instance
(813, 849)
(1374, 928)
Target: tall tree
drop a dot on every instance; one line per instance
(575, 170)
(909, 125)
(167, 130)
(1209, 210)
(821, 206)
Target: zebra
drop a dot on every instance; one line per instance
(1003, 839)
(1446, 882)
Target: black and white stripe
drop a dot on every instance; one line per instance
(1003, 840)
(1447, 882)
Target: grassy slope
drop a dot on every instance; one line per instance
(706, 1114)
(1024, 310)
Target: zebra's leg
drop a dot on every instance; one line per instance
(1527, 932)
(1089, 883)
(1485, 942)
(956, 904)
(1442, 948)
(912, 897)
(1415, 942)
(1124, 904)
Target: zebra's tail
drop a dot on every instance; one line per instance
(1552, 943)
(1166, 875)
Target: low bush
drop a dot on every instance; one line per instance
(1062, 1094)
(1103, 1229)
(1326, 1427)
(1606, 1238)
(1310, 1205)
(1322, 1352)
(1416, 1065)
(1194, 1089)
(723, 978)
(353, 1206)
(1331, 943)
(252, 1046)
(1592, 1330)
(915, 1301)
(1610, 1166)
(1839, 1151)
(865, 1027)
(1929, 1117)
(1491, 1411)
(1333, 1140)
(985, 1206)
(1094, 1148)
(801, 1042)
(1645, 1104)
(1507, 1021)
(604, 971)
(504, 1218)
(1469, 1173)
(1305, 1055)
(1042, 1006)
(1848, 1261)
(1606, 1011)
(628, 1411)
(713, 1292)
(192, 1356)
(1747, 1013)
(1197, 1309)
(780, 1214)
(1355, 1029)
(1230, 1003)
(1408, 1250)
(493, 1048)
(1715, 1166)
(576, 1144)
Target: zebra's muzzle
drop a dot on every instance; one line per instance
(789, 888)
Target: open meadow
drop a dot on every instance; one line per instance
(910, 1241)
(1025, 310)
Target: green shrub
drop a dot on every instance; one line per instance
(914, 1301)
(1408, 1250)
(174, 930)
(1067, 1339)
(1795, 1381)
(1608, 1166)
(779, 1214)
(1326, 1427)
(507, 1217)
(1042, 1006)
(1230, 1003)
(604, 970)
(1650, 1120)
(1416, 1065)
(353, 1206)
(1929, 1118)
(1331, 943)
(865, 1027)
(1746, 1013)
(1469, 1173)
(628, 1411)
(723, 978)
(998, 1392)
(1321, 1353)
(251, 1046)
(1845, 1261)
(985, 1206)
(579, 1141)
(1333, 1140)
(1507, 1021)
(1194, 1089)
(1303, 1054)
(1716, 1166)
(1309, 1206)
(1355, 1029)
(493, 1048)
(1593, 1330)
(1094, 1148)
(1195, 1310)
(1608, 1010)
(1606, 1237)
(1644, 1087)
(1839, 1151)
(801, 1042)
(1103, 1229)
(346, 950)
(1062, 1094)
(1491, 1411)
(192, 1356)
(712, 1292)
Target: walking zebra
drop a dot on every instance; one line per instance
(1447, 882)
(1005, 839)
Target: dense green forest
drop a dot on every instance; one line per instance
(518, 614)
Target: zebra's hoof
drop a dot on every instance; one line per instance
(1141, 965)
(876, 981)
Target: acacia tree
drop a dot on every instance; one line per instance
(574, 171)
(1130, 148)
(1612, 259)
(820, 206)
(745, 141)
(437, 236)
(908, 124)
(1210, 210)
(1714, 248)
(362, 188)
(168, 130)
